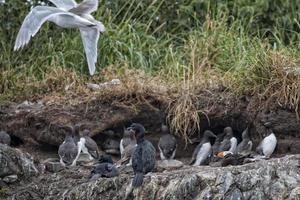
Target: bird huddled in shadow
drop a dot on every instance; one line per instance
(66, 14)
(267, 146)
(245, 146)
(204, 150)
(127, 147)
(143, 158)
(68, 150)
(217, 143)
(229, 142)
(4, 138)
(167, 144)
(105, 168)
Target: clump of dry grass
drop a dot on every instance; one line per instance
(183, 115)
(284, 80)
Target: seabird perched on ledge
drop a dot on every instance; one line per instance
(203, 150)
(143, 158)
(127, 147)
(167, 144)
(128, 139)
(217, 143)
(85, 143)
(68, 150)
(245, 145)
(229, 142)
(267, 145)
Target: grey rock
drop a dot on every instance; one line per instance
(169, 164)
(53, 166)
(277, 178)
(10, 178)
(15, 162)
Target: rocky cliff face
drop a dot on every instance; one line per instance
(277, 178)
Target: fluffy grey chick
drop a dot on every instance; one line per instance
(245, 145)
(167, 144)
(4, 138)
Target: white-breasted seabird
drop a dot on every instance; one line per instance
(143, 158)
(167, 144)
(203, 151)
(68, 150)
(88, 145)
(229, 142)
(4, 138)
(267, 145)
(246, 144)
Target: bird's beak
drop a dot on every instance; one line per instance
(212, 135)
(131, 130)
(267, 124)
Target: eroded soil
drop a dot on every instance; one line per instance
(35, 127)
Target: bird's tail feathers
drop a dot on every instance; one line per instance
(137, 180)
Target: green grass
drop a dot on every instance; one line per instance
(184, 42)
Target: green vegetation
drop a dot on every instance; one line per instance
(246, 46)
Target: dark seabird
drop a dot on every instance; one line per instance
(203, 151)
(105, 168)
(89, 146)
(246, 144)
(167, 144)
(128, 139)
(216, 145)
(229, 142)
(4, 138)
(143, 158)
(68, 150)
(267, 145)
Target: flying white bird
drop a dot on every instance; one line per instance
(66, 14)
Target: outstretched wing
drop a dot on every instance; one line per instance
(33, 22)
(64, 4)
(85, 7)
(90, 38)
